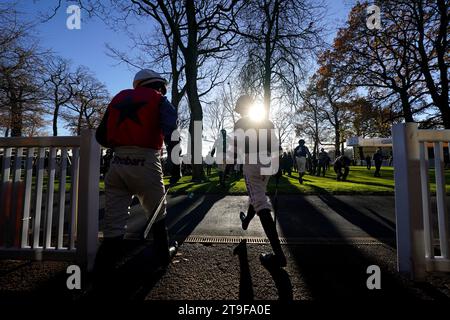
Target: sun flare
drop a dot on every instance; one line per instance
(257, 112)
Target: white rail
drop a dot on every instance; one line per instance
(418, 250)
(64, 224)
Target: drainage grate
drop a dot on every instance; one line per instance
(293, 241)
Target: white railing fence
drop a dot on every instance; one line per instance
(421, 247)
(39, 221)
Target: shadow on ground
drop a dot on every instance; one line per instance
(137, 275)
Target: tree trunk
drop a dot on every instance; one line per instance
(196, 116)
(191, 56)
(439, 99)
(315, 153)
(196, 148)
(337, 132)
(406, 106)
(337, 139)
(79, 124)
(316, 143)
(267, 78)
(176, 96)
(55, 120)
(442, 54)
(316, 133)
(446, 117)
(16, 120)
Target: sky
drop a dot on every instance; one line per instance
(87, 46)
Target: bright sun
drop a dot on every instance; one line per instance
(257, 112)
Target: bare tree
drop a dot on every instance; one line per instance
(279, 36)
(35, 126)
(229, 100)
(21, 67)
(216, 118)
(197, 38)
(201, 34)
(90, 101)
(154, 48)
(310, 119)
(59, 86)
(183, 115)
(283, 121)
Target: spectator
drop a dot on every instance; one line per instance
(279, 173)
(287, 163)
(342, 163)
(327, 163)
(294, 163)
(221, 146)
(322, 162)
(378, 160)
(391, 159)
(312, 164)
(368, 162)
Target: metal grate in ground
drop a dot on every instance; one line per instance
(293, 241)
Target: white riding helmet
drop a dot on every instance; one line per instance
(146, 76)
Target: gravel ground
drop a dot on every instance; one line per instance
(22, 281)
(231, 272)
(215, 272)
(337, 272)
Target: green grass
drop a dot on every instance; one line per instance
(359, 181)
(57, 184)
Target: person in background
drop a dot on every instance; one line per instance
(294, 163)
(221, 146)
(368, 162)
(391, 159)
(300, 152)
(322, 162)
(342, 167)
(280, 171)
(312, 161)
(378, 161)
(327, 163)
(287, 163)
(209, 163)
